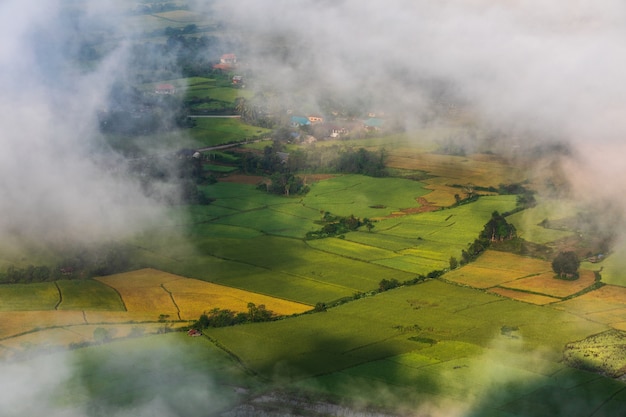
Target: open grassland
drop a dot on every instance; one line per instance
(218, 131)
(88, 295)
(37, 296)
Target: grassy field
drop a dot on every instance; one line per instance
(527, 222)
(24, 297)
(218, 131)
(88, 295)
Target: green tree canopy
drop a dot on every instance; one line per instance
(566, 264)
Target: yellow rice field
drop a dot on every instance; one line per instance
(483, 170)
(480, 277)
(524, 296)
(16, 322)
(494, 268)
(506, 261)
(547, 284)
(147, 293)
(605, 303)
(195, 297)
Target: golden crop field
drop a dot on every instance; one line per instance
(547, 284)
(480, 277)
(524, 296)
(483, 170)
(605, 305)
(147, 293)
(441, 195)
(494, 268)
(142, 291)
(17, 322)
(510, 262)
(195, 297)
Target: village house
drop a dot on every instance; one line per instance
(227, 62)
(316, 119)
(165, 89)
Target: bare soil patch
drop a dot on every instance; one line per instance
(242, 179)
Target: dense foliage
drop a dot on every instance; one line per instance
(225, 317)
(80, 263)
(566, 265)
(338, 225)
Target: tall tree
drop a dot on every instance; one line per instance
(566, 264)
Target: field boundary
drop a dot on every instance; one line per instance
(58, 304)
(173, 300)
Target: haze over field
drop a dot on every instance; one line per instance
(535, 73)
(531, 72)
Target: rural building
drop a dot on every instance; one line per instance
(297, 121)
(227, 62)
(165, 89)
(373, 123)
(315, 119)
(238, 80)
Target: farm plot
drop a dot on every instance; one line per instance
(23, 297)
(527, 221)
(195, 297)
(413, 264)
(360, 331)
(291, 220)
(219, 131)
(13, 323)
(297, 261)
(493, 268)
(389, 242)
(524, 296)
(185, 298)
(88, 295)
(459, 224)
(363, 196)
(606, 304)
(351, 250)
(478, 169)
(548, 285)
(142, 291)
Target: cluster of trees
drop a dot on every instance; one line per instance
(225, 317)
(497, 229)
(338, 225)
(133, 112)
(315, 160)
(566, 265)
(284, 183)
(84, 263)
(173, 179)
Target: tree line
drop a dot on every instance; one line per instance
(224, 317)
(84, 263)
